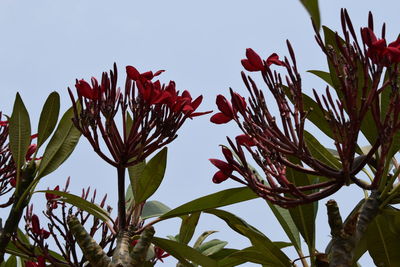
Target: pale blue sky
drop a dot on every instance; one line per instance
(46, 45)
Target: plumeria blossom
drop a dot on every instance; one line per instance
(279, 146)
(160, 254)
(225, 170)
(378, 50)
(52, 198)
(157, 111)
(253, 61)
(228, 110)
(35, 224)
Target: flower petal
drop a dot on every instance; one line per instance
(219, 177)
(132, 73)
(274, 59)
(254, 59)
(220, 118)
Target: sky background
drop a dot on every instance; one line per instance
(46, 45)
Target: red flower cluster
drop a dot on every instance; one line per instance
(157, 112)
(151, 92)
(36, 230)
(378, 50)
(253, 61)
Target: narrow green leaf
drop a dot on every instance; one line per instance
(259, 240)
(211, 247)
(325, 76)
(223, 253)
(19, 132)
(383, 237)
(319, 152)
(282, 244)
(81, 203)
(250, 254)
(188, 226)
(61, 145)
(215, 200)
(202, 237)
(48, 118)
(303, 215)
(183, 252)
(11, 261)
(135, 172)
(13, 250)
(153, 208)
(152, 176)
(313, 9)
(285, 220)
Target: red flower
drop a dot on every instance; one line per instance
(238, 102)
(227, 113)
(87, 91)
(134, 74)
(253, 61)
(245, 140)
(36, 228)
(51, 198)
(160, 253)
(378, 51)
(274, 59)
(225, 170)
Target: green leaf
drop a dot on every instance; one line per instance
(285, 220)
(250, 254)
(223, 253)
(11, 261)
(282, 244)
(183, 252)
(211, 247)
(152, 176)
(188, 226)
(135, 172)
(313, 9)
(263, 244)
(61, 145)
(202, 237)
(319, 152)
(19, 132)
(48, 117)
(325, 76)
(13, 250)
(383, 237)
(81, 203)
(153, 208)
(303, 215)
(219, 199)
